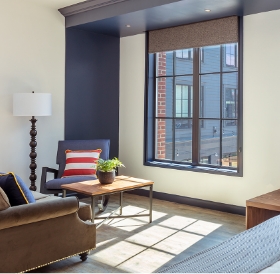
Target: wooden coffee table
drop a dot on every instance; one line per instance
(262, 208)
(121, 183)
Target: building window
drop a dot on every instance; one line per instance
(230, 51)
(231, 105)
(183, 101)
(196, 121)
(183, 106)
(184, 54)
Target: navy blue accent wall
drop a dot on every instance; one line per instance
(92, 87)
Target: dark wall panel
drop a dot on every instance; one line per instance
(92, 87)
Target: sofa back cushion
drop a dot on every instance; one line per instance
(4, 201)
(16, 190)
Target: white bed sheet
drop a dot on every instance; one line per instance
(275, 268)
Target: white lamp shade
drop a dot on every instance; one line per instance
(32, 104)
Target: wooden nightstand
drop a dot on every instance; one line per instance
(262, 208)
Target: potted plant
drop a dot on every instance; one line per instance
(106, 170)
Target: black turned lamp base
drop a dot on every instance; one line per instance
(33, 155)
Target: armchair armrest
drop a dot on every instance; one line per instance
(35, 212)
(45, 170)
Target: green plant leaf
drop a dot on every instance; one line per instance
(109, 165)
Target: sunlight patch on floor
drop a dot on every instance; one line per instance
(150, 236)
(132, 223)
(99, 244)
(178, 242)
(117, 253)
(177, 222)
(202, 227)
(145, 262)
(129, 224)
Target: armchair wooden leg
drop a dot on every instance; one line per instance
(83, 256)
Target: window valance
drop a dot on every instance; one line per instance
(207, 33)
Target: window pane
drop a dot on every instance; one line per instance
(229, 144)
(210, 59)
(184, 96)
(210, 84)
(230, 57)
(179, 90)
(160, 139)
(187, 53)
(184, 63)
(179, 54)
(183, 140)
(164, 97)
(164, 63)
(178, 108)
(230, 95)
(210, 142)
(185, 92)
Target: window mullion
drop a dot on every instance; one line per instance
(221, 106)
(174, 108)
(195, 122)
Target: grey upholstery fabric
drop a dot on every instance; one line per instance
(103, 144)
(249, 251)
(56, 183)
(35, 212)
(84, 211)
(40, 233)
(35, 244)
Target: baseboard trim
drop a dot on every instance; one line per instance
(192, 202)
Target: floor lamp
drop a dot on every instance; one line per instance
(32, 104)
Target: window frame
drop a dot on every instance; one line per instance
(150, 112)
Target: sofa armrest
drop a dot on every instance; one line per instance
(35, 212)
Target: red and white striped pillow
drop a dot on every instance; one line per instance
(81, 162)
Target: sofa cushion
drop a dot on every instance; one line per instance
(56, 183)
(4, 201)
(16, 190)
(38, 195)
(81, 162)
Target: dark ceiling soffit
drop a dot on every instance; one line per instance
(86, 6)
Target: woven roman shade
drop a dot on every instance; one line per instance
(207, 33)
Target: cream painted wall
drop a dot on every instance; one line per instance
(32, 54)
(261, 120)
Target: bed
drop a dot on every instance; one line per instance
(254, 250)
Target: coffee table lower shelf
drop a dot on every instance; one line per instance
(121, 184)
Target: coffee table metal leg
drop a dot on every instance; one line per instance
(64, 193)
(121, 202)
(151, 202)
(93, 208)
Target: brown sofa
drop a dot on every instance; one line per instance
(37, 234)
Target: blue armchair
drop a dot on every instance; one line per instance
(54, 186)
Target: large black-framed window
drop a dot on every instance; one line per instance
(194, 122)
